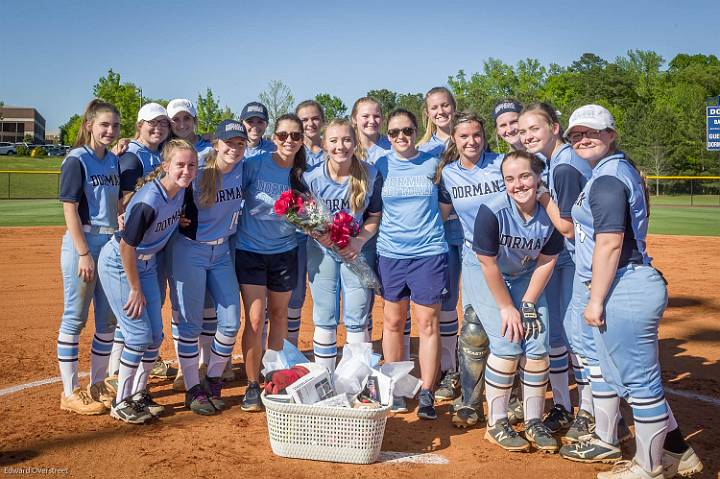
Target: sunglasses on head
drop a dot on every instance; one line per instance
(407, 131)
(294, 135)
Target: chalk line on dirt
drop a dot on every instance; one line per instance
(395, 457)
(692, 395)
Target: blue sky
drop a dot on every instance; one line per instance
(53, 52)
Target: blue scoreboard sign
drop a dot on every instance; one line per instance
(713, 127)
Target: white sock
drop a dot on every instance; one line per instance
(143, 371)
(499, 376)
(102, 345)
(582, 381)
(325, 347)
(607, 407)
(354, 337)
(220, 354)
(188, 353)
(651, 426)
(672, 423)
(406, 336)
(559, 380)
(67, 354)
(448, 340)
(534, 378)
(293, 325)
(129, 362)
(117, 349)
(209, 328)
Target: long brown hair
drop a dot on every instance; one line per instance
(358, 180)
(92, 110)
(451, 152)
(359, 149)
(300, 160)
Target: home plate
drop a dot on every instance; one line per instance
(394, 457)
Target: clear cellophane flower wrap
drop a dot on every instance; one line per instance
(311, 217)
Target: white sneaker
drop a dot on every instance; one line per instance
(631, 470)
(685, 464)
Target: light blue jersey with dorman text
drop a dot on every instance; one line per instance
(261, 230)
(92, 183)
(411, 226)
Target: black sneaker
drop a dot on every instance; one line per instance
(197, 401)
(214, 391)
(426, 405)
(557, 419)
(251, 401)
(129, 412)
(144, 400)
(449, 386)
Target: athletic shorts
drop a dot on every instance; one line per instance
(422, 280)
(278, 272)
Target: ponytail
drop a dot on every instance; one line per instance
(209, 181)
(92, 110)
(300, 160)
(451, 151)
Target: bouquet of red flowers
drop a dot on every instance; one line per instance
(309, 215)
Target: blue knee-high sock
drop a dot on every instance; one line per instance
(67, 355)
(220, 354)
(129, 362)
(143, 371)
(448, 340)
(102, 345)
(559, 380)
(294, 325)
(607, 407)
(651, 426)
(406, 336)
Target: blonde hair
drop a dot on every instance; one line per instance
(92, 110)
(547, 113)
(430, 127)
(209, 181)
(171, 147)
(358, 171)
(360, 151)
(451, 152)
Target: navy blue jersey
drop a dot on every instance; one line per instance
(221, 218)
(612, 201)
(93, 183)
(136, 162)
(151, 218)
(467, 189)
(502, 232)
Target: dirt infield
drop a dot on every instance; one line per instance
(36, 434)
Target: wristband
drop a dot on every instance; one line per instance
(85, 253)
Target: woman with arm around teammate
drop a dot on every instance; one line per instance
(517, 247)
(128, 272)
(89, 191)
(541, 133)
(266, 257)
(202, 261)
(624, 299)
(438, 111)
(469, 175)
(412, 251)
(342, 183)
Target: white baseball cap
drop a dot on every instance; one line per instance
(181, 104)
(591, 116)
(150, 111)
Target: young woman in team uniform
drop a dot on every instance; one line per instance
(541, 133)
(412, 253)
(342, 183)
(622, 297)
(438, 111)
(469, 175)
(128, 271)
(203, 261)
(255, 118)
(89, 191)
(266, 257)
(517, 247)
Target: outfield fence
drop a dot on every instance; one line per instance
(664, 190)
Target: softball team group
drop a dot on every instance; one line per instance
(549, 239)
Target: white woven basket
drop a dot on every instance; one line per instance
(325, 433)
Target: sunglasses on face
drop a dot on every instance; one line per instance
(579, 135)
(294, 135)
(407, 131)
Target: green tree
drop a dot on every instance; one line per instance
(209, 113)
(332, 106)
(386, 98)
(415, 103)
(125, 96)
(69, 130)
(278, 99)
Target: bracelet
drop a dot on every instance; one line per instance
(85, 253)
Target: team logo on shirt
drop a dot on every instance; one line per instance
(228, 194)
(580, 199)
(337, 204)
(407, 186)
(477, 190)
(518, 242)
(167, 222)
(104, 180)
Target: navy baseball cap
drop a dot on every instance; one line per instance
(506, 106)
(254, 109)
(228, 129)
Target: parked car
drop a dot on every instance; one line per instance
(54, 150)
(7, 148)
